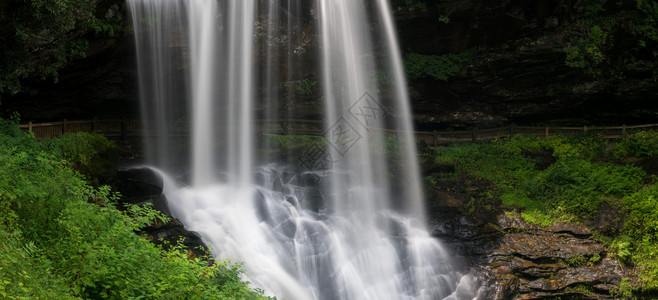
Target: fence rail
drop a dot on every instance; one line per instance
(124, 128)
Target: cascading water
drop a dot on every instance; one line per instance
(342, 218)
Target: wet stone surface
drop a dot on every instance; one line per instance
(518, 260)
(514, 259)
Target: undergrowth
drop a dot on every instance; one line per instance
(64, 239)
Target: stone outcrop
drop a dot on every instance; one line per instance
(537, 263)
(513, 259)
(143, 185)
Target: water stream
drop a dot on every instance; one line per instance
(338, 214)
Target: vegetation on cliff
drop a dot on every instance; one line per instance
(613, 35)
(574, 180)
(439, 67)
(38, 37)
(64, 239)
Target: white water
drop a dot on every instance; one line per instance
(349, 226)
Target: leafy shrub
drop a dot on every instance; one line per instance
(641, 144)
(25, 272)
(625, 290)
(419, 66)
(571, 188)
(87, 153)
(642, 210)
(580, 186)
(613, 36)
(645, 258)
(9, 128)
(109, 260)
(37, 187)
(62, 239)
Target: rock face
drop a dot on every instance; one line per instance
(519, 75)
(552, 262)
(102, 85)
(516, 260)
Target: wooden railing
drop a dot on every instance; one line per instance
(476, 135)
(104, 127)
(124, 128)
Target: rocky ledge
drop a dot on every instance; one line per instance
(514, 259)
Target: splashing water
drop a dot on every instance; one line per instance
(342, 218)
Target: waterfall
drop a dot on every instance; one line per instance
(333, 212)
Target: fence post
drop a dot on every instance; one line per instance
(623, 130)
(475, 134)
(546, 131)
(585, 128)
(64, 126)
(435, 138)
(29, 126)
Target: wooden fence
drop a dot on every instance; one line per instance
(125, 128)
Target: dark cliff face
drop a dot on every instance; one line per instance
(518, 74)
(103, 85)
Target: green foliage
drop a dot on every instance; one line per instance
(580, 187)
(587, 52)
(103, 258)
(622, 247)
(304, 87)
(37, 186)
(25, 272)
(645, 257)
(440, 67)
(62, 239)
(625, 290)
(85, 152)
(594, 259)
(411, 5)
(637, 145)
(642, 210)
(571, 188)
(580, 288)
(38, 37)
(611, 38)
(10, 129)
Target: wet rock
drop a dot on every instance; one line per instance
(143, 185)
(546, 247)
(518, 260)
(172, 233)
(139, 182)
(140, 186)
